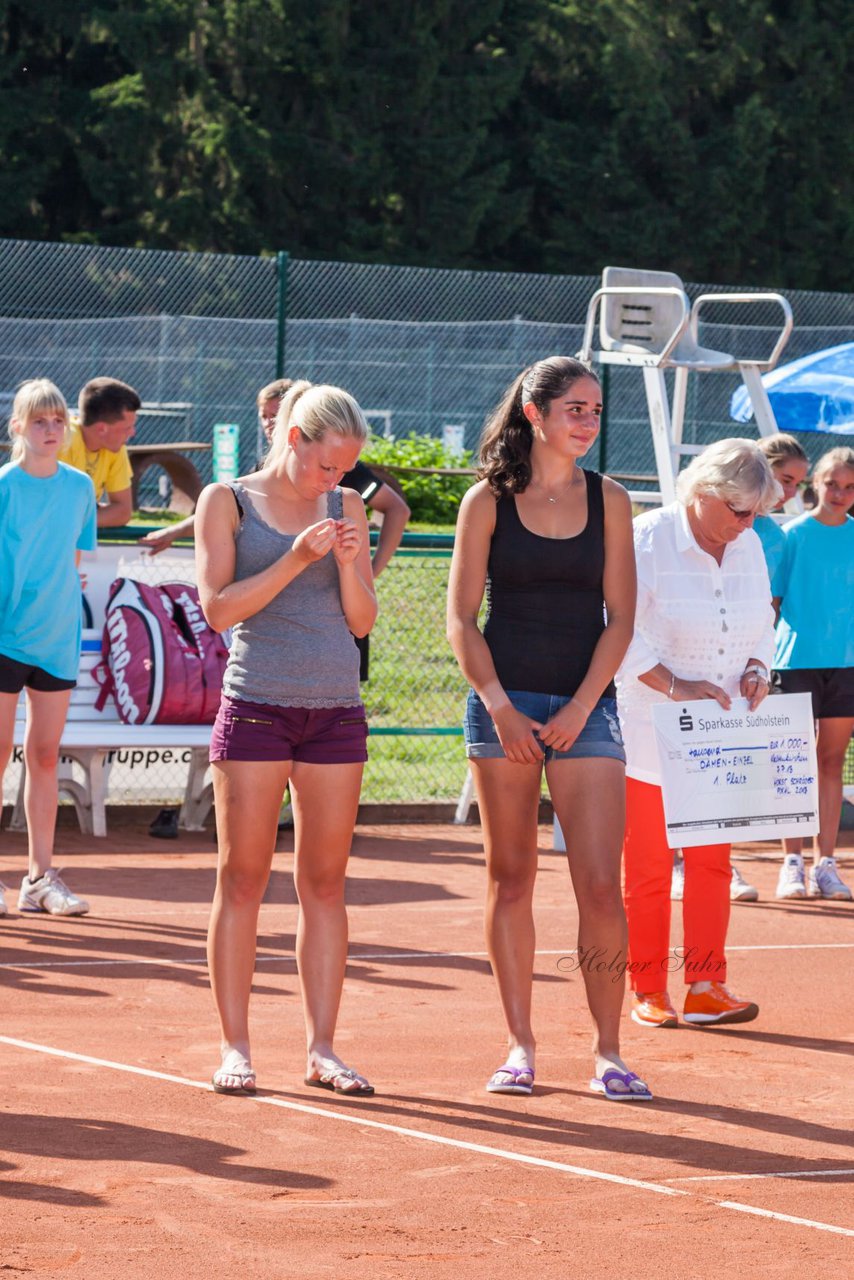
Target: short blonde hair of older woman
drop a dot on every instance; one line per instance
(316, 410)
(735, 470)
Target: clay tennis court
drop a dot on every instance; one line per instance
(119, 1161)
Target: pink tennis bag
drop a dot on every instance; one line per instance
(160, 660)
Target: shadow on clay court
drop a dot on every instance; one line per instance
(702, 1154)
(813, 1043)
(74, 1138)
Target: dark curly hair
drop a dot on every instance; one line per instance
(505, 445)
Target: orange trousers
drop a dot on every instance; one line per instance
(705, 906)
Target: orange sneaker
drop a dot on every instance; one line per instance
(717, 1005)
(653, 1009)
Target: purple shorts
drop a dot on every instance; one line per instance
(310, 735)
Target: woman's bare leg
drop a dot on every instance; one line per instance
(589, 800)
(248, 795)
(508, 798)
(325, 800)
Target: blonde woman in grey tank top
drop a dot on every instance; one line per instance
(283, 559)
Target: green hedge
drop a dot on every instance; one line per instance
(432, 499)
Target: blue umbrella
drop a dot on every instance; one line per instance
(815, 393)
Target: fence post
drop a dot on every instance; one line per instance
(605, 380)
(282, 262)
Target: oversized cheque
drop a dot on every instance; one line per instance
(737, 774)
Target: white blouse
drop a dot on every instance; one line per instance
(700, 619)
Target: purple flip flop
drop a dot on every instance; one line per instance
(510, 1079)
(633, 1090)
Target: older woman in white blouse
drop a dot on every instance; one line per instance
(704, 629)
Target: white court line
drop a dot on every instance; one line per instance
(752, 1177)
(374, 956)
(784, 1217)
(424, 1136)
(360, 1120)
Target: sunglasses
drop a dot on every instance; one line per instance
(739, 515)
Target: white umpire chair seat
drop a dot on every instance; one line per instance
(646, 321)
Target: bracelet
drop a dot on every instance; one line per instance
(672, 686)
(587, 710)
(755, 670)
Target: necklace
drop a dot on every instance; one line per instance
(554, 499)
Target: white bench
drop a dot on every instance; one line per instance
(91, 737)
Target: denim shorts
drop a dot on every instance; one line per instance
(309, 735)
(600, 737)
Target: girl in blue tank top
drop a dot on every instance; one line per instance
(283, 559)
(551, 546)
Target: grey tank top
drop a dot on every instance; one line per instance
(297, 651)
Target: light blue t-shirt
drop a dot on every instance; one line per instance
(816, 581)
(773, 540)
(43, 520)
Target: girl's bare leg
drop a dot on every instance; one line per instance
(46, 716)
(508, 798)
(589, 800)
(248, 795)
(834, 735)
(325, 800)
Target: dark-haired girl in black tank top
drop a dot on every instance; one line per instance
(551, 546)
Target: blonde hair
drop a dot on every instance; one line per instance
(782, 447)
(841, 456)
(735, 470)
(316, 410)
(38, 395)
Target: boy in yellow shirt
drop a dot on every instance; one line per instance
(106, 420)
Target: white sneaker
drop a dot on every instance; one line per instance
(50, 893)
(825, 881)
(791, 882)
(740, 890)
(4, 910)
(677, 880)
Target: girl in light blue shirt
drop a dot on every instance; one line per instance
(815, 655)
(47, 517)
(790, 466)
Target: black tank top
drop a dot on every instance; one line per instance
(545, 608)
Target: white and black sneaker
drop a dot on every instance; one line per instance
(792, 879)
(740, 890)
(50, 893)
(825, 882)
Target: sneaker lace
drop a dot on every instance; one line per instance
(53, 876)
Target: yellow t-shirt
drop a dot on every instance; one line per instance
(109, 472)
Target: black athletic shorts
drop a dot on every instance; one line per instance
(15, 675)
